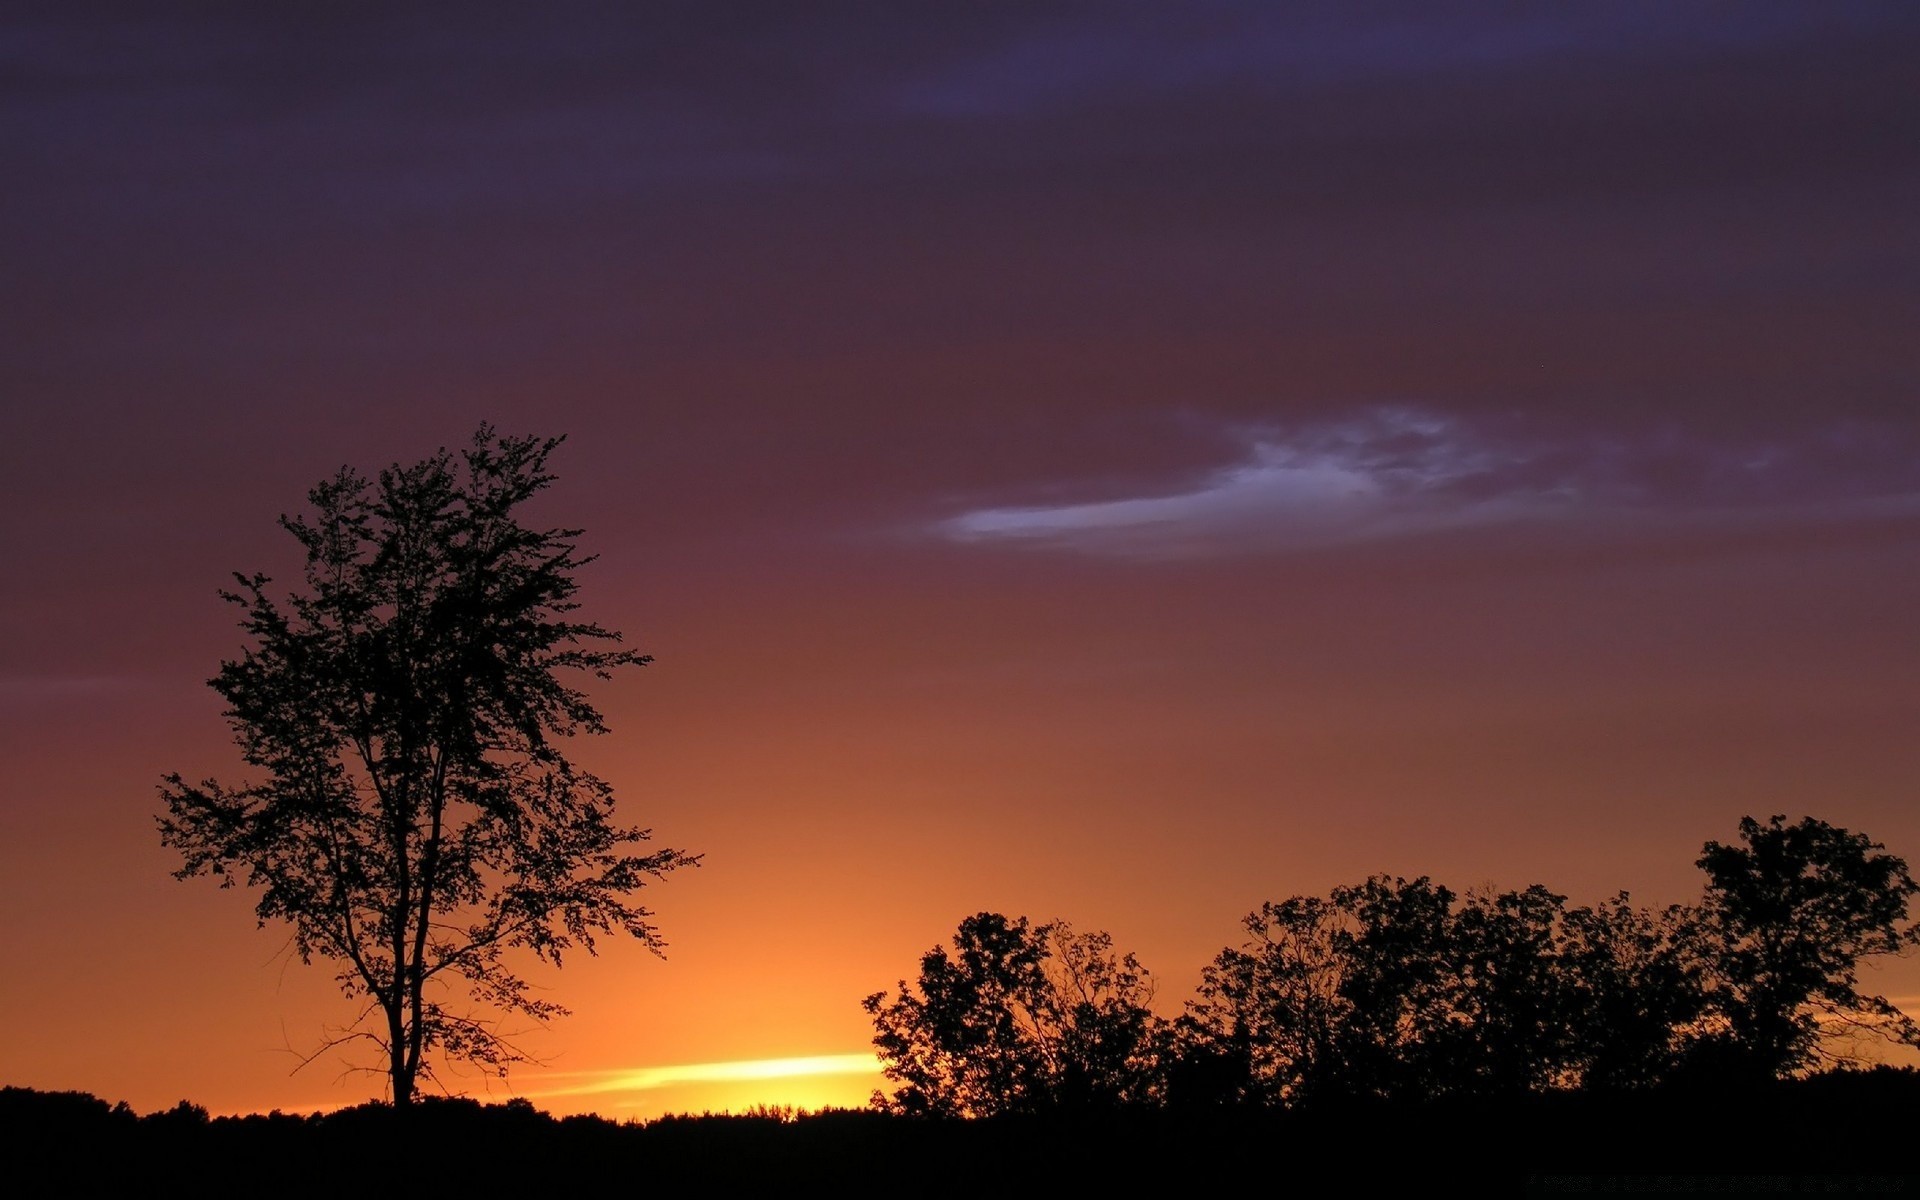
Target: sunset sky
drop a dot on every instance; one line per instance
(1118, 461)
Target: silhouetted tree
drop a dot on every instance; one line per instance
(1344, 996)
(1513, 1026)
(1274, 1012)
(1019, 1018)
(415, 819)
(1403, 984)
(1396, 989)
(1634, 989)
(1789, 913)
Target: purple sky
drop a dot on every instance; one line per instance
(1116, 461)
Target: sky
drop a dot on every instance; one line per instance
(1110, 461)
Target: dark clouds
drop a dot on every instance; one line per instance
(1014, 244)
(831, 268)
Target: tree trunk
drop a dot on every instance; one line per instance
(398, 1071)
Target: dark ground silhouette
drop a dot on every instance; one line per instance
(1844, 1132)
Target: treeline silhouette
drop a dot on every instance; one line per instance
(1404, 991)
(1391, 1031)
(1850, 1128)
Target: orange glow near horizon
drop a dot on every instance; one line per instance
(647, 1078)
(862, 778)
(808, 1082)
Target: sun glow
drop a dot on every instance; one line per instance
(586, 1083)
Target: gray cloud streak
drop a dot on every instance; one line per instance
(1402, 471)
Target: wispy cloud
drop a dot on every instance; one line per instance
(1400, 471)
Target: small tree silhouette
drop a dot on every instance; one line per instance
(1019, 1018)
(415, 818)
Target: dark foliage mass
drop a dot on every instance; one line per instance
(1396, 991)
(1789, 914)
(1020, 1018)
(414, 818)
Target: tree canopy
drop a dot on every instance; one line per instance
(1792, 909)
(1019, 1018)
(1404, 990)
(1393, 988)
(414, 818)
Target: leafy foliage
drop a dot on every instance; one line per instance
(1791, 911)
(1381, 989)
(1392, 989)
(415, 819)
(1633, 982)
(1397, 990)
(1019, 1018)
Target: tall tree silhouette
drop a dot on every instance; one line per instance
(415, 819)
(1019, 1018)
(1790, 911)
